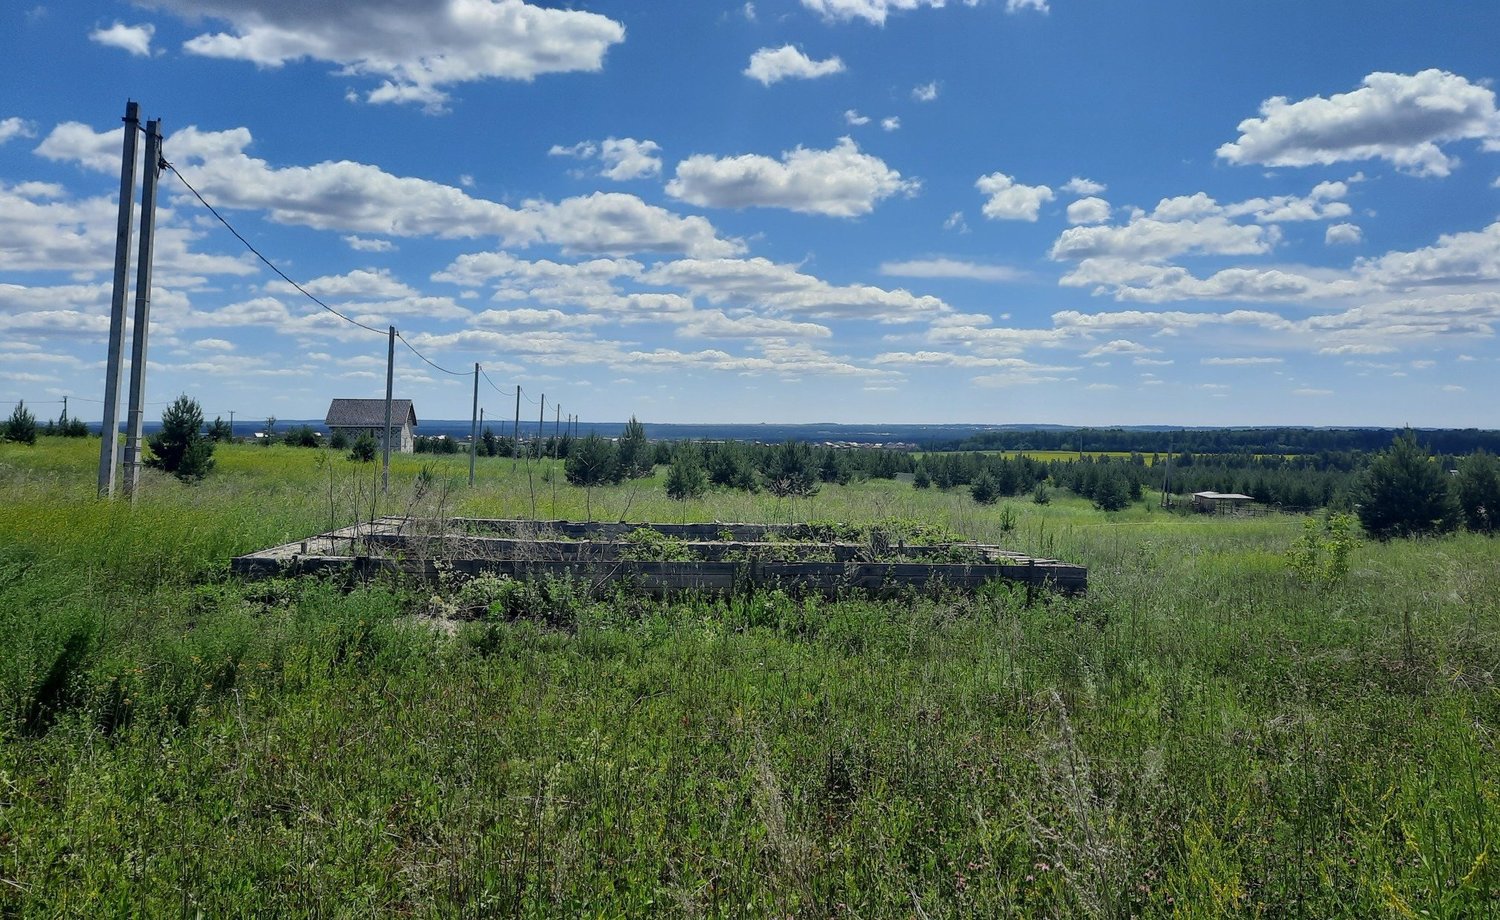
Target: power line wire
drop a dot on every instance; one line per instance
(429, 360)
(487, 380)
(269, 264)
(310, 296)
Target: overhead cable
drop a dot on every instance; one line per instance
(429, 360)
(269, 264)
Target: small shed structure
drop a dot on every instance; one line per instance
(355, 417)
(1219, 502)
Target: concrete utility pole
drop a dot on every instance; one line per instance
(515, 449)
(390, 382)
(474, 426)
(65, 409)
(142, 329)
(541, 428)
(109, 430)
(231, 426)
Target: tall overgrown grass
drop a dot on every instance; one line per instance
(1203, 735)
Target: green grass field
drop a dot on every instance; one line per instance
(1203, 735)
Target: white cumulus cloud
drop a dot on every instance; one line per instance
(352, 197)
(950, 268)
(875, 11)
(1081, 186)
(772, 65)
(621, 158)
(135, 39)
(1009, 200)
(841, 182)
(14, 127)
(1400, 118)
(417, 47)
(1088, 211)
(1343, 235)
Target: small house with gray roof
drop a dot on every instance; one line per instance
(355, 417)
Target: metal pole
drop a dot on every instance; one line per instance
(390, 379)
(142, 327)
(474, 426)
(109, 430)
(515, 448)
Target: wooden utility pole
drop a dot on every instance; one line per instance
(109, 431)
(474, 426)
(1166, 480)
(390, 383)
(556, 447)
(541, 428)
(135, 420)
(515, 447)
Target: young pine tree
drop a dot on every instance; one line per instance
(180, 447)
(634, 451)
(21, 426)
(686, 477)
(1404, 494)
(1479, 491)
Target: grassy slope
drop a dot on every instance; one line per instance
(1201, 736)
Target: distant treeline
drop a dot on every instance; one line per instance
(1224, 440)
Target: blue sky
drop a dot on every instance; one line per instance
(991, 211)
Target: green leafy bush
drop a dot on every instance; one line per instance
(1321, 555)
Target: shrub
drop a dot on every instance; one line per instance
(686, 477)
(984, 489)
(1321, 555)
(180, 447)
(21, 426)
(729, 466)
(363, 449)
(789, 471)
(1112, 493)
(1479, 491)
(593, 462)
(66, 427)
(302, 436)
